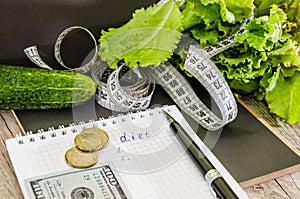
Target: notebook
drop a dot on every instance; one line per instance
(144, 156)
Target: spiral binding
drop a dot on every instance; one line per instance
(50, 128)
(53, 134)
(61, 130)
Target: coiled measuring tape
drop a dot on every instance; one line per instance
(199, 64)
(205, 71)
(137, 96)
(134, 97)
(33, 54)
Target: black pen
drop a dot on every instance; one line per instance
(217, 182)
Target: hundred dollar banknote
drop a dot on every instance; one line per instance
(94, 183)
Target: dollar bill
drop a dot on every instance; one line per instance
(94, 183)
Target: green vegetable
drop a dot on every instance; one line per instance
(293, 13)
(290, 7)
(149, 38)
(263, 6)
(208, 21)
(283, 96)
(266, 62)
(263, 32)
(34, 88)
(266, 59)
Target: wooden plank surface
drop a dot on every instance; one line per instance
(286, 187)
(290, 184)
(9, 127)
(270, 176)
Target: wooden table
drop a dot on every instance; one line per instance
(285, 187)
(9, 127)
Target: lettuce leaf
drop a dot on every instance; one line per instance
(290, 7)
(283, 96)
(240, 9)
(293, 12)
(266, 63)
(149, 38)
(285, 54)
(263, 32)
(208, 21)
(244, 87)
(263, 6)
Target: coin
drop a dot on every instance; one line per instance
(91, 139)
(80, 159)
(105, 138)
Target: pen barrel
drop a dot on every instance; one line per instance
(222, 189)
(217, 182)
(188, 142)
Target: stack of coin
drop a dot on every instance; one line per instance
(87, 143)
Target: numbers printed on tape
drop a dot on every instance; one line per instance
(214, 82)
(184, 96)
(119, 96)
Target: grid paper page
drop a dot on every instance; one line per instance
(145, 152)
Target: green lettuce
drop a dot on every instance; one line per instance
(293, 12)
(283, 96)
(264, 32)
(264, 62)
(149, 38)
(208, 21)
(290, 7)
(263, 6)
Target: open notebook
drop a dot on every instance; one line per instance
(144, 155)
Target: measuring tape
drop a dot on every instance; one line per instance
(134, 97)
(139, 85)
(199, 64)
(183, 95)
(227, 42)
(33, 54)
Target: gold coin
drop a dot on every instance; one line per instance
(89, 139)
(80, 159)
(105, 138)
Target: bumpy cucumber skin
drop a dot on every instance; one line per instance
(35, 88)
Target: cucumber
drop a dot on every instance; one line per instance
(35, 88)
